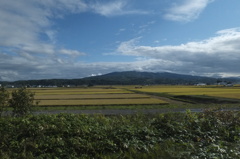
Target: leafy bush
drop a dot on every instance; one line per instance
(212, 134)
(4, 96)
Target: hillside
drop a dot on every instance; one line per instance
(145, 78)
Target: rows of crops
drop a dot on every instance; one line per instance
(125, 95)
(91, 96)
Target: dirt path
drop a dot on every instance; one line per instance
(170, 101)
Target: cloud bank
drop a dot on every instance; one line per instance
(220, 53)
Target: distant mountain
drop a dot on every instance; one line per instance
(128, 78)
(146, 78)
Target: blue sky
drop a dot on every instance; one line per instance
(79, 38)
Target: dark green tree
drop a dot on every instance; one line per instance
(4, 97)
(22, 102)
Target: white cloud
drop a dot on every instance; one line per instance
(114, 8)
(22, 23)
(71, 52)
(187, 11)
(216, 54)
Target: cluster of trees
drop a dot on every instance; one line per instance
(21, 101)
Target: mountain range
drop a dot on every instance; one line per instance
(128, 78)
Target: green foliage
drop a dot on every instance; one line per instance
(4, 96)
(212, 134)
(22, 102)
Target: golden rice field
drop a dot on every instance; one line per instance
(91, 96)
(101, 102)
(122, 95)
(77, 91)
(214, 91)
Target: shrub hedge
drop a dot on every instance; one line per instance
(211, 134)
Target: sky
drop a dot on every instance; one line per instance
(55, 39)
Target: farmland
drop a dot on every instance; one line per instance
(91, 96)
(136, 97)
(215, 91)
(209, 134)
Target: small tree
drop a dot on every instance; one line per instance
(4, 97)
(22, 102)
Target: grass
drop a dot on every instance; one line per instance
(108, 107)
(167, 107)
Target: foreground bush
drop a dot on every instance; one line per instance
(211, 134)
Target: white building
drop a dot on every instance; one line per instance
(201, 84)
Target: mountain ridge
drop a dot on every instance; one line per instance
(135, 77)
(129, 78)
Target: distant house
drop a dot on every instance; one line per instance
(201, 84)
(229, 85)
(222, 83)
(9, 86)
(137, 87)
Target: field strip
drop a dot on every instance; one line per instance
(102, 102)
(74, 93)
(119, 98)
(224, 92)
(91, 96)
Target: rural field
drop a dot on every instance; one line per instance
(159, 95)
(207, 134)
(214, 91)
(94, 96)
